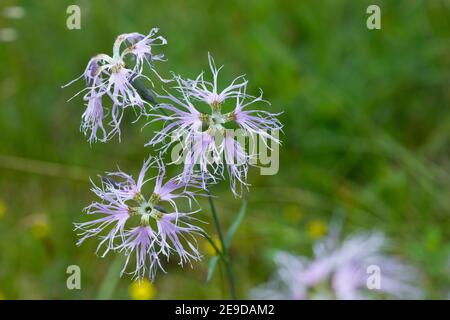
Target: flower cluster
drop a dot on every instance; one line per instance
(148, 228)
(145, 228)
(111, 77)
(355, 268)
(207, 142)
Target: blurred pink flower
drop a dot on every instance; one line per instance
(340, 270)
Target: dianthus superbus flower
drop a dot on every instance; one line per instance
(110, 77)
(203, 136)
(340, 270)
(144, 228)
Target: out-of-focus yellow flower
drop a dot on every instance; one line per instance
(292, 213)
(317, 229)
(2, 208)
(142, 290)
(39, 226)
(208, 247)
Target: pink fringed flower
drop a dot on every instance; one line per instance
(341, 270)
(110, 76)
(205, 140)
(161, 230)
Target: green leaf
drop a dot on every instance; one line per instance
(235, 225)
(211, 267)
(111, 279)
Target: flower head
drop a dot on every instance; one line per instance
(111, 77)
(205, 137)
(140, 226)
(340, 270)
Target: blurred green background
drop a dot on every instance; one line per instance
(367, 134)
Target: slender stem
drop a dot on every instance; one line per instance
(216, 222)
(111, 279)
(230, 277)
(225, 257)
(222, 281)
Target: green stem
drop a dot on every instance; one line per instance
(216, 222)
(111, 279)
(225, 257)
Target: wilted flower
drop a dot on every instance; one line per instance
(157, 231)
(110, 76)
(341, 270)
(205, 137)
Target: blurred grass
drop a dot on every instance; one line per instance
(367, 129)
